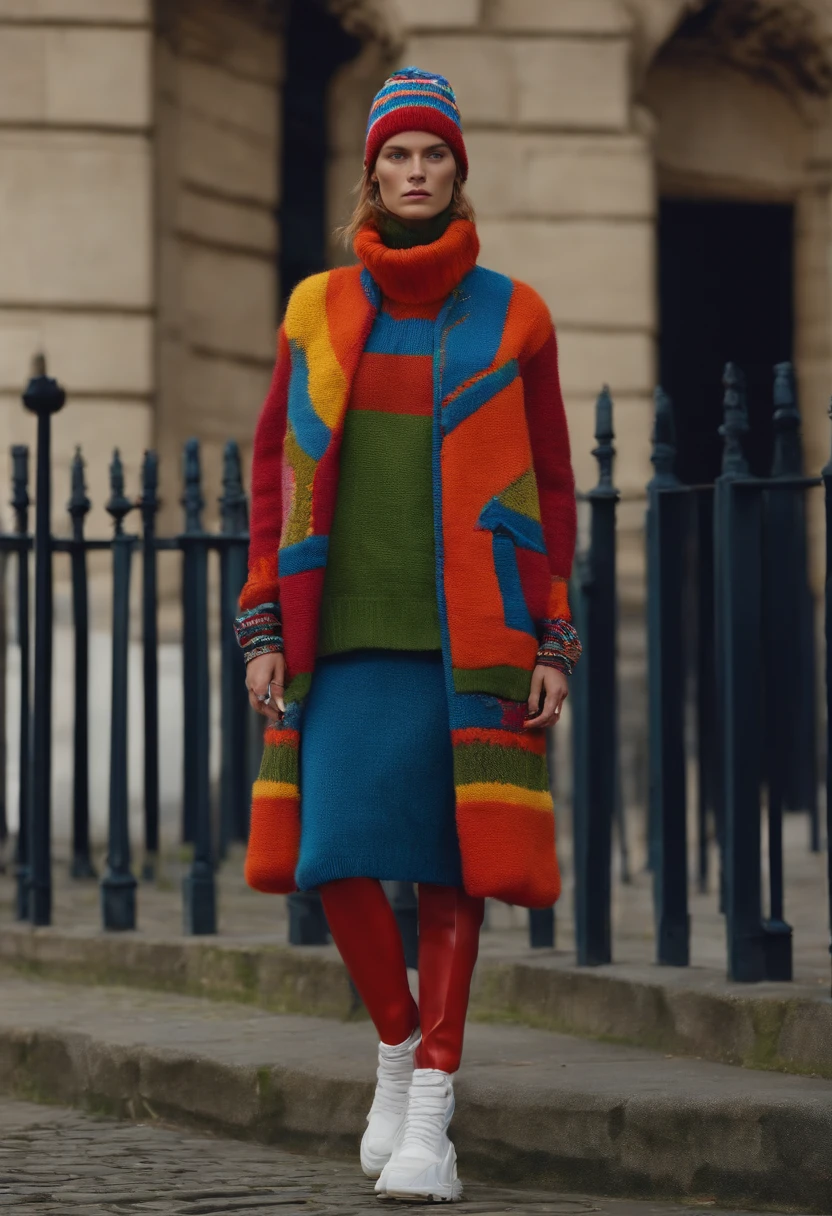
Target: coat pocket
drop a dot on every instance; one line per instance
(512, 531)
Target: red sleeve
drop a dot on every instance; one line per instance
(549, 436)
(266, 487)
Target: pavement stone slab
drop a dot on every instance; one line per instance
(534, 1108)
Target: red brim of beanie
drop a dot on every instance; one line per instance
(416, 118)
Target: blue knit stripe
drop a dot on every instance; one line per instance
(418, 98)
(472, 343)
(476, 395)
(405, 336)
(511, 589)
(307, 554)
(371, 288)
(311, 432)
(525, 532)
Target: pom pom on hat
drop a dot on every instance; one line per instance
(413, 100)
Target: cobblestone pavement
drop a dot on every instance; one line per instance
(63, 1163)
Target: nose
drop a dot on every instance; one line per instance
(417, 172)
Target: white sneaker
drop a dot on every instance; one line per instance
(395, 1072)
(423, 1164)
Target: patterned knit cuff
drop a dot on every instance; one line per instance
(260, 631)
(560, 646)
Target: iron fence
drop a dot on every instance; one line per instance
(727, 590)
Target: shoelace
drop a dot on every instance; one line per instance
(426, 1112)
(393, 1083)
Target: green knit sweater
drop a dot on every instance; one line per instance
(380, 581)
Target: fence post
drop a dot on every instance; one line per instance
(198, 890)
(596, 736)
(43, 397)
(118, 886)
(786, 524)
(20, 506)
(738, 568)
(234, 707)
(708, 782)
(667, 528)
(149, 507)
(826, 474)
(78, 508)
(784, 699)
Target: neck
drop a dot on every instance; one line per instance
(420, 272)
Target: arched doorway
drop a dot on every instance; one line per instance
(733, 103)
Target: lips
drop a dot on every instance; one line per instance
(417, 194)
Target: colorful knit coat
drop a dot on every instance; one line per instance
(504, 527)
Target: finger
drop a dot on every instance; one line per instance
(535, 690)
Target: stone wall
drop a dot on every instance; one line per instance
(76, 226)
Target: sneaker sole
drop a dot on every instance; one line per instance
(425, 1197)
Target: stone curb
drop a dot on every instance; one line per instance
(744, 1151)
(789, 1033)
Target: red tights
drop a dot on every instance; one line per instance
(367, 935)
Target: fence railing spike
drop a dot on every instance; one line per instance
(79, 504)
(192, 499)
(118, 504)
(604, 451)
(663, 455)
(150, 481)
(788, 456)
(826, 471)
(233, 501)
(19, 500)
(735, 424)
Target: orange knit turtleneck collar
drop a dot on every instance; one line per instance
(425, 272)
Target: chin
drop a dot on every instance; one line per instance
(424, 208)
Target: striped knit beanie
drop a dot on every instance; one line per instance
(412, 100)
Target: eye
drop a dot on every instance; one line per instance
(395, 155)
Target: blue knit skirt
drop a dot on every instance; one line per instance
(376, 771)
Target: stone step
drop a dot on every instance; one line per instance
(533, 1108)
(684, 1011)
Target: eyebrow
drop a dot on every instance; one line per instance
(430, 148)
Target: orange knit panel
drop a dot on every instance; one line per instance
(508, 853)
(273, 845)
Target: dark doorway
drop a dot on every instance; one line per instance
(725, 293)
(316, 46)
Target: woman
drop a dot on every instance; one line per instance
(412, 533)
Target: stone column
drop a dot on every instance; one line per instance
(219, 69)
(76, 244)
(813, 344)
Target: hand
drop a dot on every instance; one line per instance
(265, 670)
(556, 687)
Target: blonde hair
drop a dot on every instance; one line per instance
(370, 209)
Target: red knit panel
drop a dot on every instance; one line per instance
(273, 845)
(425, 272)
(532, 741)
(394, 384)
(549, 437)
(508, 853)
(301, 601)
(404, 312)
(266, 495)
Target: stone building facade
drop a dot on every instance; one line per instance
(152, 180)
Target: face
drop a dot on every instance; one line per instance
(415, 172)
